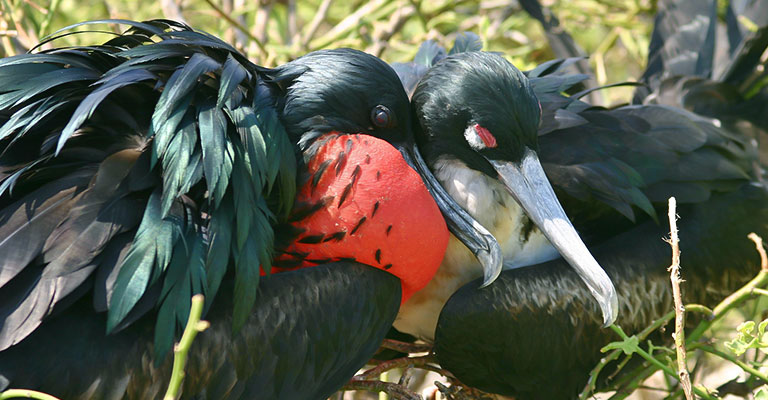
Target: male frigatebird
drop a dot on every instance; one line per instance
(536, 332)
(163, 163)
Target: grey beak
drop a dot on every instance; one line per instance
(528, 184)
(477, 239)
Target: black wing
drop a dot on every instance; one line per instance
(122, 167)
(632, 157)
(537, 325)
(606, 164)
(293, 346)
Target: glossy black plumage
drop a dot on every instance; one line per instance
(535, 333)
(161, 164)
(291, 347)
(553, 333)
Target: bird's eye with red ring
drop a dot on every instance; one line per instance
(381, 117)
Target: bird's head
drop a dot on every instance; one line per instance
(352, 120)
(477, 108)
(343, 90)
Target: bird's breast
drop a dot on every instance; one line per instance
(487, 200)
(362, 201)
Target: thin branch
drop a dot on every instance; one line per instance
(50, 12)
(613, 355)
(237, 25)
(744, 366)
(760, 249)
(291, 26)
(658, 364)
(316, 21)
(26, 394)
(674, 277)
(261, 21)
(194, 326)
(396, 391)
(396, 22)
(8, 47)
(404, 362)
(348, 24)
(737, 297)
(405, 347)
(733, 300)
(699, 308)
(172, 10)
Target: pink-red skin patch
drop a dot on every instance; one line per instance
(486, 136)
(389, 218)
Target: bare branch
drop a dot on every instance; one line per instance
(319, 18)
(404, 362)
(394, 390)
(674, 277)
(405, 347)
(760, 249)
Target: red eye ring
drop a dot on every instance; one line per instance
(486, 136)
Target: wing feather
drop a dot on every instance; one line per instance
(150, 163)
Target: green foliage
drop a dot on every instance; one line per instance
(762, 393)
(614, 32)
(747, 338)
(628, 346)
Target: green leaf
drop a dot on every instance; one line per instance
(628, 346)
(747, 338)
(762, 393)
(739, 345)
(745, 328)
(761, 327)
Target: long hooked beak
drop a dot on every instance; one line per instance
(478, 239)
(528, 184)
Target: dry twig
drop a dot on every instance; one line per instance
(396, 391)
(405, 347)
(674, 276)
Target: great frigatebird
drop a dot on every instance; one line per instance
(163, 163)
(535, 332)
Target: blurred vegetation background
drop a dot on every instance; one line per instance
(615, 33)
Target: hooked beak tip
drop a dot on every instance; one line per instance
(492, 261)
(609, 305)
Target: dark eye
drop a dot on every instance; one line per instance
(381, 116)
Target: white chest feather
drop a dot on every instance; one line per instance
(489, 203)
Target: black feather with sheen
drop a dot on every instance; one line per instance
(161, 133)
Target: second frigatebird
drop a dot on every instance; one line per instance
(535, 333)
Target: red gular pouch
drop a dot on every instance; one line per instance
(370, 206)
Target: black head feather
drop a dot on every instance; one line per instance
(340, 90)
(476, 88)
